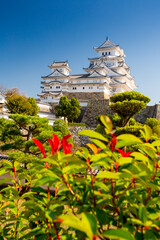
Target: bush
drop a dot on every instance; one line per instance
(107, 194)
(77, 124)
(155, 125)
(129, 129)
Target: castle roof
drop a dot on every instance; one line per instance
(63, 64)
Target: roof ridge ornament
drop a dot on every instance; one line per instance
(107, 38)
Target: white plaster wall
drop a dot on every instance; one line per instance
(89, 89)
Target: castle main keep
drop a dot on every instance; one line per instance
(106, 75)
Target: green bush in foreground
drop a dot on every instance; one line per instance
(106, 194)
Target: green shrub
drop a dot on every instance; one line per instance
(105, 193)
(77, 124)
(129, 129)
(155, 125)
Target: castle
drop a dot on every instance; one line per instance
(106, 75)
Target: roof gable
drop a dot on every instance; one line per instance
(95, 74)
(107, 44)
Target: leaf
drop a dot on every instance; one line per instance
(118, 234)
(156, 143)
(93, 147)
(142, 213)
(40, 146)
(4, 180)
(98, 143)
(139, 156)
(108, 175)
(93, 134)
(90, 222)
(45, 180)
(107, 123)
(87, 224)
(146, 133)
(125, 160)
(2, 171)
(99, 156)
(127, 140)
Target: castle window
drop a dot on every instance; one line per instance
(103, 53)
(106, 53)
(50, 87)
(57, 86)
(109, 53)
(83, 87)
(74, 88)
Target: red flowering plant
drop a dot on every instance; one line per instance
(97, 194)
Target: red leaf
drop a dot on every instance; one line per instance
(123, 154)
(40, 146)
(54, 143)
(67, 136)
(113, 142)
(66, 146)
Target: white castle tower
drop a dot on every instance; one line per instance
(106, 75)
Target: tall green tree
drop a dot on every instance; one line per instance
(17, 103)
(127, 104)
(75, 109)
(69, 109)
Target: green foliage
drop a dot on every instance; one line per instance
(103, 193)
(155, 126)
(74, 111)
(34, 108)
(133, 129)
(115, 118)
(127, 104)
(19, 104)
(77, 124)
(62, 127)
(17, 132)
(129, 95)
(69, 109)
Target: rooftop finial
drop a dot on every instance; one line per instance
(107, 38)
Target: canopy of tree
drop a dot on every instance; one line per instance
(127, 104)
(17, 103)
(18, 132)
(69, 109)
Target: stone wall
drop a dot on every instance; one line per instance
(86, 95)
(95, 108)
(78, 140)
(148, 112)
(101, 107)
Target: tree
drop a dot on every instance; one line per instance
(75, 111)
(17, 103)
(127, 104)
(69, 109)
(62, 109)
(18, 132)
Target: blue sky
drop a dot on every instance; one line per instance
(35, 33)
